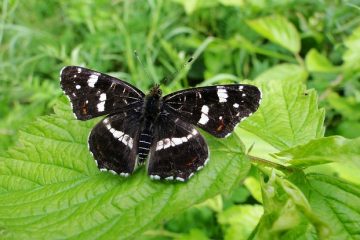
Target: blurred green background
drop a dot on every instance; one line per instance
(231, 41)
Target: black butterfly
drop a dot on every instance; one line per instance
(138, 126)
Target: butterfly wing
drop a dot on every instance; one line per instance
(93, 94)
(113, 142)
(216, 109)
(178, 150)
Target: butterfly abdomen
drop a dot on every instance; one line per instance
(151, 111)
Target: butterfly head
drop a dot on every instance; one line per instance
(155, 91)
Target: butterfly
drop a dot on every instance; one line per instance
(154, 129)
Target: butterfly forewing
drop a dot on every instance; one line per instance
(178, 150)
(113, 143)
(94, 94)
(161, 130)
(216, 109)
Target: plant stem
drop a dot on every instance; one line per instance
(270, 164)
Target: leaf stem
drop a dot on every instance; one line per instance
(270, 164)
(332, 85)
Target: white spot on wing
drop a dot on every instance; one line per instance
(102, 97)
(222, 94)
(205, 109)
(204, 119)
(243, 95)
(177, 141)
(79, 70)
(155, 177)
(235, 105)
(241, 88)
(92, 80)
(159, 145)
(100, 106)
(78, 87)
(180, 179)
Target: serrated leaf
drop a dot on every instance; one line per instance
(284, 72)
(278, 30)
(239, 221)
(288, 115)
(284, 216)
(324, 150)
(316, 62)
(351, 56)
(336, 202)
(51, 187)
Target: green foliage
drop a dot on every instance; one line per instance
(303, 182)
(53, 164)
(278, 30)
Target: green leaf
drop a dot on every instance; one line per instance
(284, 72)
(51, 187)
(191, 6)
(324, 150)
(253, 185)
(194, 234)
(348, 107)
(336, 202)
(287, 214)
(239, 221)
(351, 56)
(316, 62)
(278, 30)
(288, 116)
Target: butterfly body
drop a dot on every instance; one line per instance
(161, 131)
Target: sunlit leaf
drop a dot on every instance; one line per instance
(284, 72)
(50, 186)
(324, 150)
(351, 56)
(288, 115)
(316, 62)
(278, 30)
(336, 202)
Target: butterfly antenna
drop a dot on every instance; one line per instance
(174, 74)
(143, 66)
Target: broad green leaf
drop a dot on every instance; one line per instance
(191, 6)
(284, 72)
(284, 216)
(336, 202)
(316, 62)
(324, 150)
(51, 187)
(239, 221)
(278, 30)
(348, 107)
(351, 56)
(288, 115)
(253, 185)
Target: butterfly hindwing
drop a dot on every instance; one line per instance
(216, 109)
(95, 94)
(178, 150)
(113, 143)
